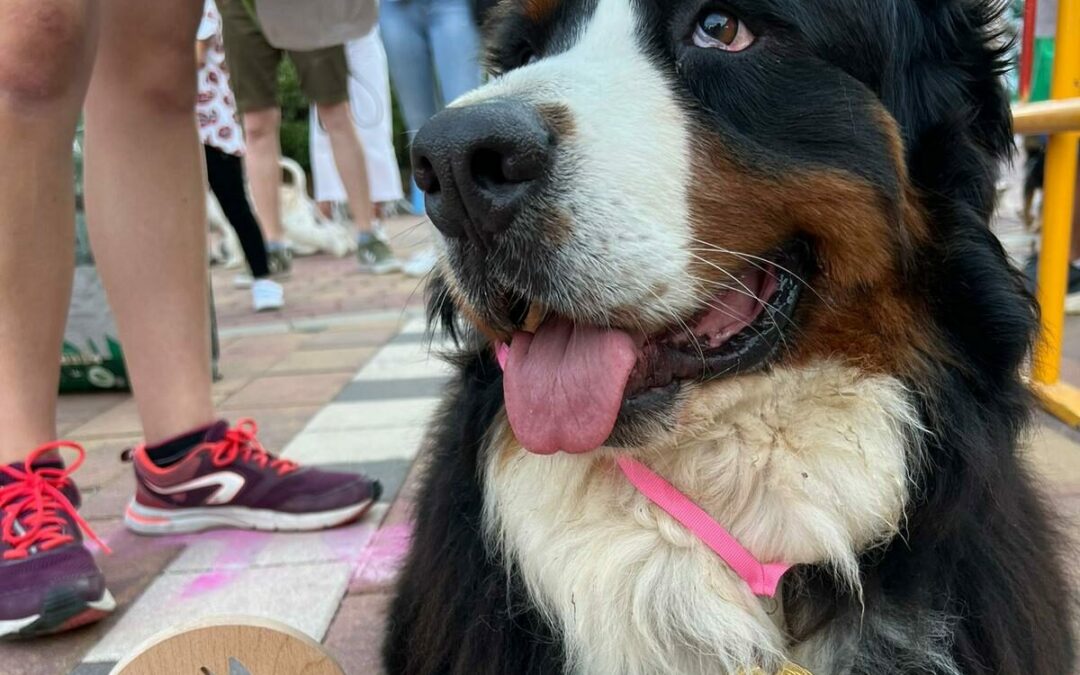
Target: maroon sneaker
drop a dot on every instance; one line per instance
(49, 582)
(231, 481)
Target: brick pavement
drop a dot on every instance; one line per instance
(341, 378)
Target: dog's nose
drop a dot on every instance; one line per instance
(478, 165)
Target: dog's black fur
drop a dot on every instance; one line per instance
(978, 544)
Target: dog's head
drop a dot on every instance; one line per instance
(652, 197)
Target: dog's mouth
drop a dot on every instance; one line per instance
(568, 385)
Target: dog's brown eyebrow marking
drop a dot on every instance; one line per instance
(540, 10)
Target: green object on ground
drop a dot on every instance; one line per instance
(91, 358)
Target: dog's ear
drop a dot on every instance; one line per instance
(442, 313)
(944, 86)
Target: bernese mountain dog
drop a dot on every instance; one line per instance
(744, 243)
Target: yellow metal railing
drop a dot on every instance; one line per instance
(1061, 118)
(1047, 117)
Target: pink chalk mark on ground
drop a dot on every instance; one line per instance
(380, 562)
(238, 551)
(348, 544)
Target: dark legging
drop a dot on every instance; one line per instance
(226, 174)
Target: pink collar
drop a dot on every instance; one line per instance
(762, 578)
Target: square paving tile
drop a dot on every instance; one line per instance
(258, 345)
(247, 366)
(356, 635)
(108, 500)
(230, 383)
(74, 410)
(1056, 459)
(103, 462)
(351, 338)
(120, 420)
(324, 360)
(305, 597)
(287, 391)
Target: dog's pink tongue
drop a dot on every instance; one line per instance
(564, 385)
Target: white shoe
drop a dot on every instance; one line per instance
(267, 295)
(421, 264)
(243, 280)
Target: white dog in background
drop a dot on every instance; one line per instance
(306, 230)
(223, 244)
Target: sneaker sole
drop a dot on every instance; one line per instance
(246, 284)
(384, 268)
(64, 610)
(268, 307)
(150, 521)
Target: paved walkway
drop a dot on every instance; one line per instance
(343, 378)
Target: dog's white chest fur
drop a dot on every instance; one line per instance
(802, 466)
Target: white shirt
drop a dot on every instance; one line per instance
(216, 108)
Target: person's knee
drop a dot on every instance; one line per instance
(165, 81)
(262, 126)
(153, 71)
(43, 48)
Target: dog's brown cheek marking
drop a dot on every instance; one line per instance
(457, 296)
(539, 11)
(556, 224)
(859, 309)
(558, 119)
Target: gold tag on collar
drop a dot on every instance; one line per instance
(789, 669)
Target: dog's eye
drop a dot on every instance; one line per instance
(717, 29)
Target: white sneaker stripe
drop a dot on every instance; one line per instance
(228, 486)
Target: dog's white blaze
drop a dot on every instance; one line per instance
(803, 466)
(626, 198)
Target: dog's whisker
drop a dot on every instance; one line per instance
(758, 262)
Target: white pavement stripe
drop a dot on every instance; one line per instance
(361, 415)
(406, 361)
(353, 446)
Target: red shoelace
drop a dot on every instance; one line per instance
(34, 506)
(240, 443)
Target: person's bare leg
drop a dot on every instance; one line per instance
(349, 159)
(263, 164)
(146, 206)
(46, 47)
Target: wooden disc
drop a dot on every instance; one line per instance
(231, 646)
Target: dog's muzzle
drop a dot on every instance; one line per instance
(478, 165)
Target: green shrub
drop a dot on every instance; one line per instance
(294, 115)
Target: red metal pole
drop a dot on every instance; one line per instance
(1027, 48)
